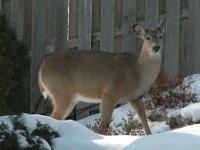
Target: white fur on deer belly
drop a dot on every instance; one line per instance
(80, 98)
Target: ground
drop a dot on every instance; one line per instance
(75, 135)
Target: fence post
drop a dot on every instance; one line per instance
(85, 24)
(193, 37)
(151, 13)
(17, 17)
(107, 25)
(128, 20)
(0, 5)
(27, 22)
(84, 38)
(37, 48)
(172, 37)
(61, 24)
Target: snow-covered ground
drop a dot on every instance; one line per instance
(75, 136)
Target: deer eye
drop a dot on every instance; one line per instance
(148, 38)
(160, 37)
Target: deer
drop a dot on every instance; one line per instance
(70, 76)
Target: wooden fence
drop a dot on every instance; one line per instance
(50, 25)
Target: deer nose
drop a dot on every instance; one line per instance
(156, 48)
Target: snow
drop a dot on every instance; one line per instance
(159, 127)
(191, 111)
(181, 139)
(21, 139)
(74, 135)
(194, 84)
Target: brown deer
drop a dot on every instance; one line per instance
(71, 76)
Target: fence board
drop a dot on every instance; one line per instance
(37, 48)
(61, 24)
(117, 25)
(194, 36)
(96, 22)
(183, 46)
(73, 19)
(162, 6)
(50, 22)
(118, 8)
(172, 37)
(107, 25)
(96, 15)
(85, 24)
(151, 13)
(27, 23)
(17, 17)
(129, 19)
(0, 5)
(140, 9)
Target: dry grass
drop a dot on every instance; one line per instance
(130, 127)
(169, 93)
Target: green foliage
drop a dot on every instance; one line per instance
(14, 68)
(45, 131)
(10, 138)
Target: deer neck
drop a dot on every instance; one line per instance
(148, 68)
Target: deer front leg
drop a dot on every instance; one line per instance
(140, 110)
(106, 107)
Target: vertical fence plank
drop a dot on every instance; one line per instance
(172, 37)
(27, 22)
(107, 25)
(50, 22)
(84, 39)
(140, 17)
(96, 23)
(193, 37)
(61, 24)
(118, 9)
(0, 5)
(37, 48)
(151, 13)
(183, 47)
(85, 24)
(27, 40)
(17, 17)
(128, 20)
(73, 19)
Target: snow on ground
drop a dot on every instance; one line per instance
(75, 136)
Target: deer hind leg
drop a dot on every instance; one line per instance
(62, 103)
(62, 110)
(106, 107)
(140, 110)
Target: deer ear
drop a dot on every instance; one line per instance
(161, 25)
(139, 30)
